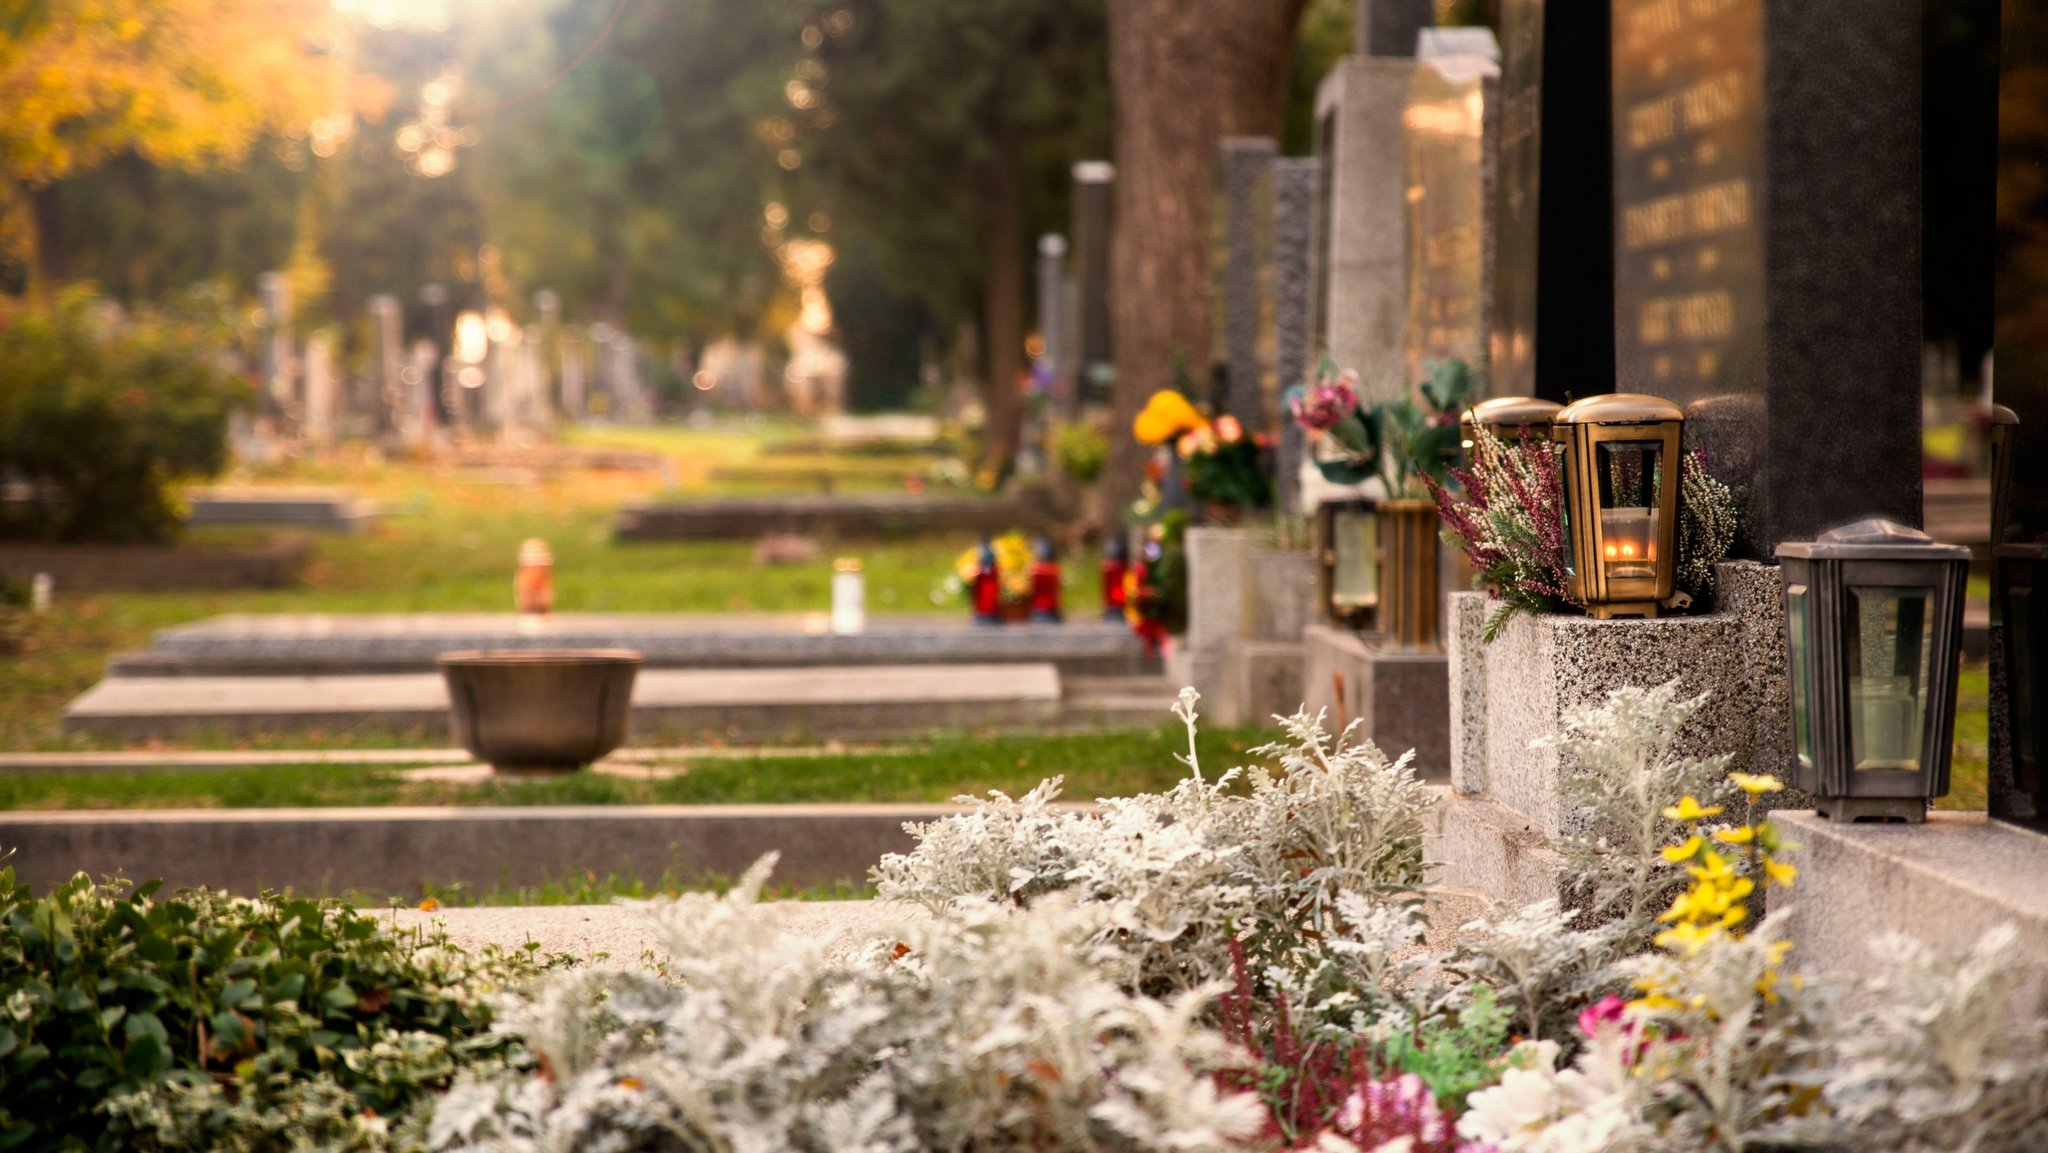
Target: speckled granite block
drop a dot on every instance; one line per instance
(1265, 679)
(1466, 625)
(1543, 667)
(1402, 696)
(1281, 585)
(1945, 882)
(1480, 847)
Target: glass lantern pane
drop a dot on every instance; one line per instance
(1796, 625)
(2019, 624)
(1631, 480)
(1354, 577)
(1890, 641)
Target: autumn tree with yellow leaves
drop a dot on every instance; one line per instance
(179, 83)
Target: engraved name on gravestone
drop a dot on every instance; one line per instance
(1447, 228)
(1689, 251)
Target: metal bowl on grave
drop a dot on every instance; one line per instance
(540, 710)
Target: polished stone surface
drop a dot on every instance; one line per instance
(256, 643)
(1243, 264)
(1790, 128)
(1361, 307)
(1451, 103)
(735, 704)
(1945, 882)
(1294, 226)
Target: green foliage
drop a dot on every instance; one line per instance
(100, 415)
(1421, 440)
(1457, 1055)
(1081, 449)
(199, 1020)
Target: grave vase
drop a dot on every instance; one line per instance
(1409, 602)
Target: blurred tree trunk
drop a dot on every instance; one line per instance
(1003, 306)
(1184, 74)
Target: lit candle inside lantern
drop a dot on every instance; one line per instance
(1628, 540)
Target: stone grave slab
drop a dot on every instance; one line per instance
(333, 509)
(733, 704)
(240, 644)
(843, 515)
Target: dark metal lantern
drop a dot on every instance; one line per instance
(1348, 561)
(1873, 623)
(2022, 582)
(1621, 488)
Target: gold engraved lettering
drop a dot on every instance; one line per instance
(1705, 314)
(1660, 268)
(1709, 364)
(1651, 21)
(1661, 367)
(1711, 101)
(1653, 320)
(1667, 218)
(1652, 122)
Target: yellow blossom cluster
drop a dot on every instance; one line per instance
(1725, 865)
(1166, 417)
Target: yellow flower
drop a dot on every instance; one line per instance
(430, 904)
(1689, 808)
(1677, 853)
(1741, 836)
(1756, 784)
(1165, 416)
(1657, 1003)
(1781, 872)
(1691, 938)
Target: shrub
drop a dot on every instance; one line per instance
(129, 1021)
(1081, 449)
(100, 415)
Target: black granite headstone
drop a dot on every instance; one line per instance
(1553, 310)
(1767, 246)
(1241, 226)
(1294, 195)
(2020, 345)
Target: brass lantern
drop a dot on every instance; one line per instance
(1509, 418)
(1874, 625)
(1621, 487)
(1348, 556)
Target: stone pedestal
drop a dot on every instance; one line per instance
(1944, 882)
(1265, 665)
(1217, 617)
(1505, 695)
(1401, 696)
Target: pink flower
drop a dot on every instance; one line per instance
(1330, 399)
(1607, 1009)
(1228, 430)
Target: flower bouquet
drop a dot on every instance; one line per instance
(1343, 438)
(1224, 466)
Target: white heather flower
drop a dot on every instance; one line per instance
(1525, 1103)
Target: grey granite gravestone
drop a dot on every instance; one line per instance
(1294, 207)
(1446, 160)
(1357, 303)
(1553, 308)
(387, 361)
(1094, 192)
(1052, 316)
(1767, 246)
(1242, 242)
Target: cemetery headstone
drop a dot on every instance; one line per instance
(275, 294)
(1553, 306)
(318, 421)
(2021, 354)
(1790, 128)
(1294, 195)
(1448, 173)
(1057, 355)
(1358, 308)
(1242, 242)
(1094, 190)
(1389, 27)
(387, 359)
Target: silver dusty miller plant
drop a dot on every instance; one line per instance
(991, 1027)
(1185, 872)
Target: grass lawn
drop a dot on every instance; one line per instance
(450, 545)
(1094, 765)
(1968, 771)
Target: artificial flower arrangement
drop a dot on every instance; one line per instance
(1401, 441)
(1014, 560)
(1224, 464)
(1506, 510)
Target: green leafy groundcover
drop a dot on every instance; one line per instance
(132, 1020)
